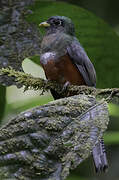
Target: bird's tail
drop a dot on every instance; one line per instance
(99, 157)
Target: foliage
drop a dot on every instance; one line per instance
(99, 40)
(47, 141)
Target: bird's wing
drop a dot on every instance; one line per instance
(83, 63)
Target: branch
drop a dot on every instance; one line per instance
(13, 28)
(30, 82)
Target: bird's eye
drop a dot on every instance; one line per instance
(57, 22)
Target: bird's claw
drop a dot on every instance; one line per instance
(65, 87)
(44, 87)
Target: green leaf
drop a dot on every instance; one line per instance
(36, 59)
(2, 101)
(98, 39)
(111, 137)
(114, 110)
(27, 104)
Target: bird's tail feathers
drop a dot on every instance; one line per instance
(99, 157)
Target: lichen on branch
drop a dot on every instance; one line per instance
(46, 142)
(30, 82)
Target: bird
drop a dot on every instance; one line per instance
(65, 61)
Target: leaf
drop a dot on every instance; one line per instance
(114, 110)
(111, 137)
(27, 104)
(98, 39)
(47, 141)
(2, 101)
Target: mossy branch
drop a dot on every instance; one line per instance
(30, 82)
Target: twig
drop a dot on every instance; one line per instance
(30, 82)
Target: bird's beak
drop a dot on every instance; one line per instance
(44, 24)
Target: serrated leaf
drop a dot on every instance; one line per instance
(48, 141)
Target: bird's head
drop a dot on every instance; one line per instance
(59, 23)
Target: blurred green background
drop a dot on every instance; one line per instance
(97, 27)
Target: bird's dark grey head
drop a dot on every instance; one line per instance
(59, 23)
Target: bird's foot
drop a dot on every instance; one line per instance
(44, 87)
(65, 87)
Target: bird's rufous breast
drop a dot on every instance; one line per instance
(61, 69)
